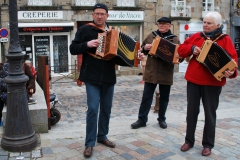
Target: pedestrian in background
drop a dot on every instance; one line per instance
(157, 72)
(201, 84)
(99, 77)
(30, 84)
(4, 67)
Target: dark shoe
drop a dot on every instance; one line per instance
(88, 151)
(206, 151)
(137, 125)
(32, 101)
(107, 143)
(185, 147)
(163, 124)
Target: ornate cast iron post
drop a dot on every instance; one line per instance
(18, 134)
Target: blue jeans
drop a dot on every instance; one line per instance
(98, 96)
(147, 98)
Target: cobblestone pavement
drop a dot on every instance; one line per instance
(65, 140)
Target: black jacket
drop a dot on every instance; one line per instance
(93, 70)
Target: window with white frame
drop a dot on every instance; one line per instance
(85, 2)
(39, 2)
(208, 5)
(179, 8)
(178, 2)
(126, 3)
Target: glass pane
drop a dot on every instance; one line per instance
(60, 53)
(39, 2)
(42, 46)
(26, 44)
(85, 2)
(125, 2)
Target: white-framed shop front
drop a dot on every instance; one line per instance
(54, 44)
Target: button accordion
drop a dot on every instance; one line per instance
(216, 59)
(164, 49)
(118, 47)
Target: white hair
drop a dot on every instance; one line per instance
(217, 18)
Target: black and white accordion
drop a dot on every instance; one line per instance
(164, 49)
(216, 59)
(118, 47)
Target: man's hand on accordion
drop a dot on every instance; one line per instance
(93, 43)
(228, 73)
(140, 55)
(147, 47)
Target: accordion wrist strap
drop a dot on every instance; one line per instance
(98, 57)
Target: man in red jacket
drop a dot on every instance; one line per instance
(201, 84)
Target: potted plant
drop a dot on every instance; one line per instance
(180, 10)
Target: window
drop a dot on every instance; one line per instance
(126, 3)
(208, 5)
(180, 9)
(85, 2)
(178, 2)
(40, 2)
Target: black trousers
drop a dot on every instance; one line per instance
(210, 100)
(147, 98)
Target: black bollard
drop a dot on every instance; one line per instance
(156, 107)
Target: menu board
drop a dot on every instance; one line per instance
(42, 47)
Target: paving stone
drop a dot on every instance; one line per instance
(127, 156)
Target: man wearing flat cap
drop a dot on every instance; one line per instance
(99, 76)
(157, 72)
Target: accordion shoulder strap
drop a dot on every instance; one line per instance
(219, 37)
(95, 26)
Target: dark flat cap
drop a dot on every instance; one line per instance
(164, 19)
(100, 5)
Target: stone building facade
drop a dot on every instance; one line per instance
(48, 26)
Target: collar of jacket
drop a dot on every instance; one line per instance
(213, 35)
(166, 35)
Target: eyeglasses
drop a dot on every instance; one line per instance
(162, 23)
(99, 14)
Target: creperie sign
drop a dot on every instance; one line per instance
(40, 14)
(34, 29)
(45, 29)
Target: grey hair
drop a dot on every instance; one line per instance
(217, 18)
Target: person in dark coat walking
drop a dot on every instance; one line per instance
(157, 72)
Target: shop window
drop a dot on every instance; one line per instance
(126, 3)
(26, 44)
(85, 2)
(60, 54)
(39, 2)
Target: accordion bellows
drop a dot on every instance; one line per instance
(216, 59)
(118, 47)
